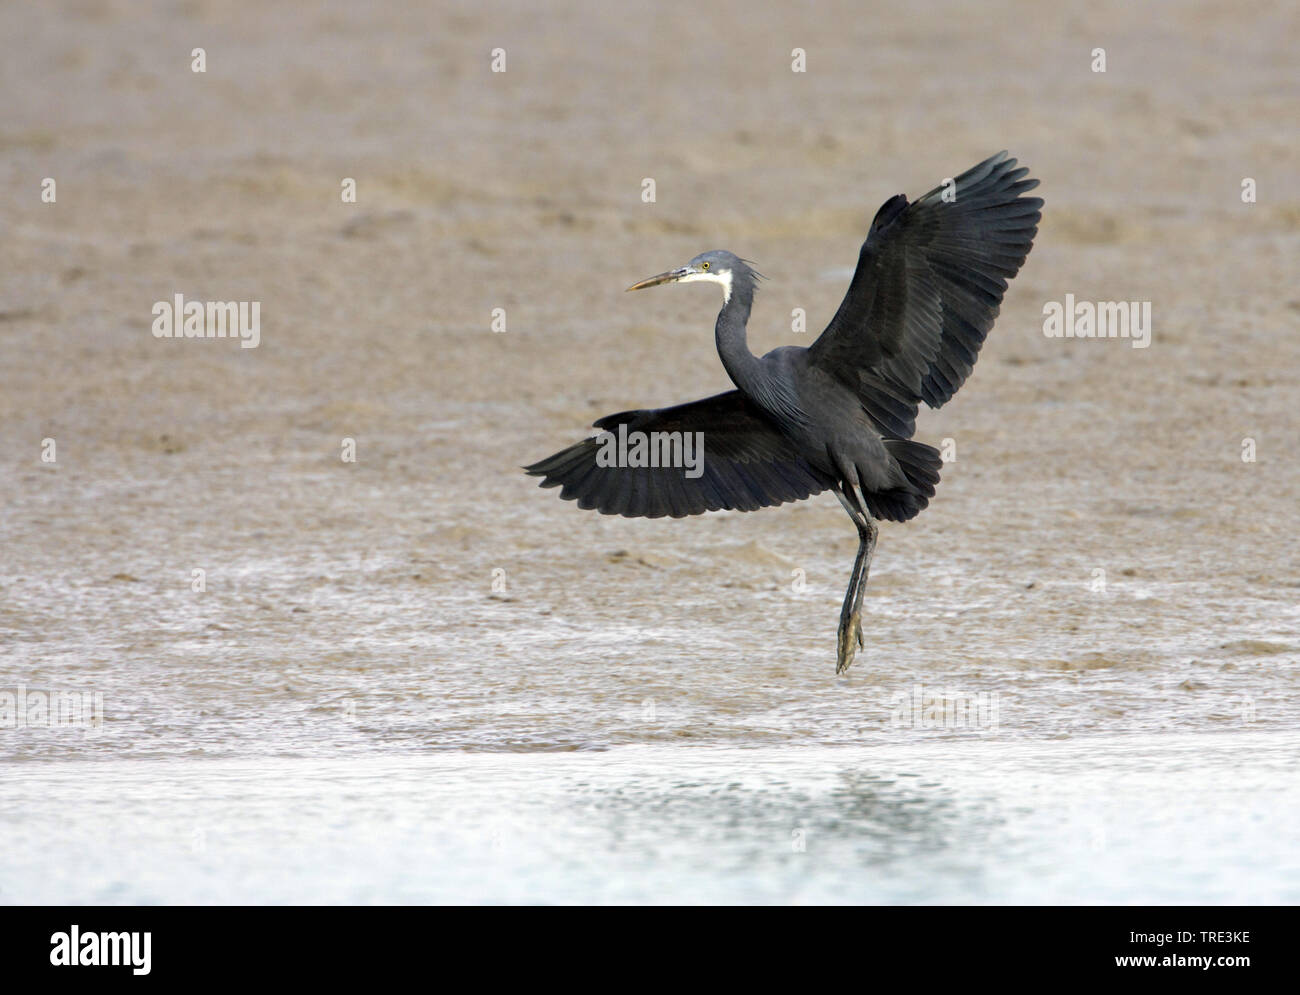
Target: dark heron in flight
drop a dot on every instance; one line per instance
(840, 414)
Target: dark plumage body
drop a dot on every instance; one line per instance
(838, 415)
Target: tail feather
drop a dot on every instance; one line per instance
(920, 465)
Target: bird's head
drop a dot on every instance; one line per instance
(716, 266)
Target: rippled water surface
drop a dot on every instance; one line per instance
(1172, 819)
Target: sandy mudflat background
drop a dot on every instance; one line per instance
(349, 609)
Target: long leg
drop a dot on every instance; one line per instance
(850, 632)
(866, 543)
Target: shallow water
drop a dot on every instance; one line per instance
(1168, 818)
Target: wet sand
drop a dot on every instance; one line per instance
(1099, 561)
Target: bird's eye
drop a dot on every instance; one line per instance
(704, 265)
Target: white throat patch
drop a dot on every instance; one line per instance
(722, 276)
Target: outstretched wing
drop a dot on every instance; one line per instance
(929, 282)
(746, 464)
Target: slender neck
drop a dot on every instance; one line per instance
(741, 365)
